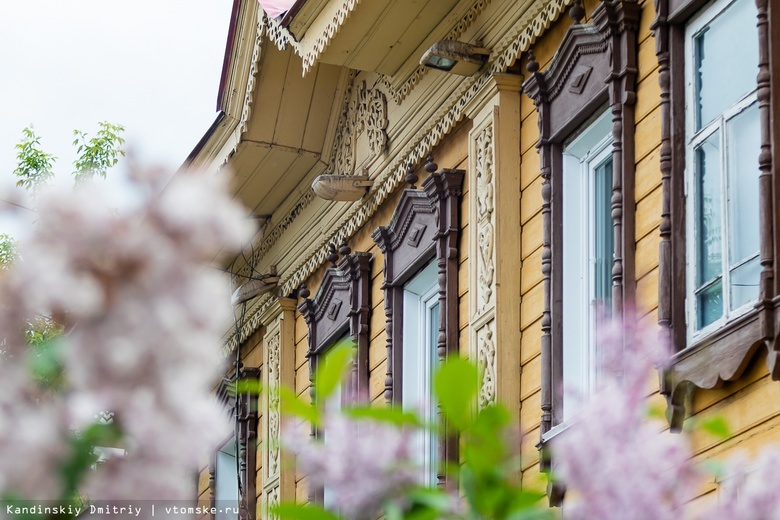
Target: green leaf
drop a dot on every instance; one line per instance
(332, 369)
(249, 386)
(299, 512)
(291, 404)
(394, 416)
(456, 385)
(434, 498)
(716, 426)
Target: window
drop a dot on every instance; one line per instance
(420, 358)
(420, 247)
(232, 468)
(226, 490)
(333, 405)
(338, 311)
(586, 154)
(716, 257)
(587, 168)
(588, 251)
(723, 143)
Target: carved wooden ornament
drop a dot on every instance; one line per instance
(595, 66)
(723, 355)
(341, 306)
(424, 226)
(242, 408)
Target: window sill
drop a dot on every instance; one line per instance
(711, 360)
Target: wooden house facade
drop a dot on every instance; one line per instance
(608, 156)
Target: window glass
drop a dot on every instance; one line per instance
(588, 255)
(604, 234)
(227, 482)
(708, 210)
(726, 61)
(420, 358)
(723, 152)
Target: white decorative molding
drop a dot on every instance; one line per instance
(272, 412)
(364, 111)
(271, 499)
(523, 34)
(309, 53)
(399, 92)
(486, 360)
(485, 224)
(273, 382)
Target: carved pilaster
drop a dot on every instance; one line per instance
(494, 240)
(278, 370)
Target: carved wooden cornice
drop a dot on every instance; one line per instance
(341, 306)
(309, 52)
(523, 34)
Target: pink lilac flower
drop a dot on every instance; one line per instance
(749, 488)
(615, 462)
(145, 317)
(363, 463)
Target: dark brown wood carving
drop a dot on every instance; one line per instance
(723, 355)
(595, 66)
(340, 307)
(243, 411)
(424, 226)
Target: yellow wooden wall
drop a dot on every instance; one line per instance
(451, 153)
(749, 405)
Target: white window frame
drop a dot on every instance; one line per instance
(420, 359)
(582, 155)
(334, 405)
(693, 28)
(226, 471)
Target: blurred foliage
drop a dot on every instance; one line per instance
(488, 475)
(8, 251)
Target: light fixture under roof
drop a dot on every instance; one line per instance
(341, 187)
(255, 287)
(455, 57)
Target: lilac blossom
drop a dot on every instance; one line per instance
(381, 451)
(748, 488)
(615, 462)
(144, 318)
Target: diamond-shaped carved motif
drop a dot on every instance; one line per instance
(579, 78)
(333, 310)
(415, 235)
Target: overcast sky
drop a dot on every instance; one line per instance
(150, 65)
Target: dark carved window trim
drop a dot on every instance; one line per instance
(723, 355)
(242, 409)
(424, 226)
(595, 65)
(341, 306)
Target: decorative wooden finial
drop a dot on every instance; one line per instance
(532, 66)
(430, 166)
(303, 292)
(577, 12)
(333, 256)
(411, 178)
(344, 250)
